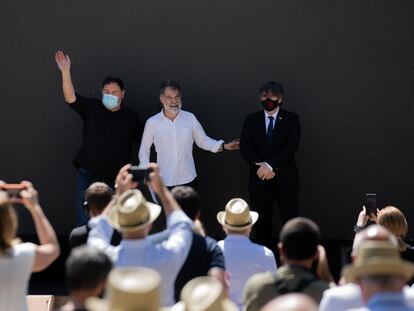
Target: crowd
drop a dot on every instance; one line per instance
(184, 269)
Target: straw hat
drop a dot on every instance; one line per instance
(378, 258)
(129, 289)
(131, 211)
(204, 293)
(237, 215)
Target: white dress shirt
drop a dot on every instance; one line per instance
(173, 142)
(244, 258)
(166, 257)
(349, 296)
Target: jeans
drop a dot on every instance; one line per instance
(84, 180)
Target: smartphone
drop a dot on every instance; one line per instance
(13, 191)
(371, 203)
(140, 174)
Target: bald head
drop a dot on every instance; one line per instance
(373, 233)
(291, 302)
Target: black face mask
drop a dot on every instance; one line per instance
(269, 104)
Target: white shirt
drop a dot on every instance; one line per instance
(166, 257)
(348, 296)
(173, 142)
(244, 258)
(267, 120)
(15, 271)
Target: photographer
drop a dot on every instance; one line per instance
(19, 260)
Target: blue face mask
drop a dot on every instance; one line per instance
(110, 101)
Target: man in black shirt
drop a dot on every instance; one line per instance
(109, 131)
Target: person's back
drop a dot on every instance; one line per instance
(204, 255)
(243, 260)
(299, 240)
(15, 270)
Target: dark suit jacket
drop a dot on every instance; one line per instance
(255, 146)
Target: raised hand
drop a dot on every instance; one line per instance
(62, 60)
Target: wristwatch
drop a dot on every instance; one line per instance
(358, 228)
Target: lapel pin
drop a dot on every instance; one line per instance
(280, 118)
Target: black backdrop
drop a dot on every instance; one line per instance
(347, 67)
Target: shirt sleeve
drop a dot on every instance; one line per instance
(146, 143)
(216, 254)
(83, 105)
(100, 236)
(180, 237)
(202, 140)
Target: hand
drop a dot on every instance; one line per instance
(30, 197)
(264, 172)
(157, 184)
(62, 60)
(374, 216)
(362, 218)
(123, 181)
(233, 145)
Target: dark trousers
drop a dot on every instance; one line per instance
(84, 180)
(263, 195)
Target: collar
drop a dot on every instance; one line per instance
(272, 115)
(135, 243)
(163, 117)
(239, 237)
(388, 298)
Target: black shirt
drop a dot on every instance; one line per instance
(79, 236)
(108, 137)
(204, 254)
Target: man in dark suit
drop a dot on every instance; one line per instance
(269, 141)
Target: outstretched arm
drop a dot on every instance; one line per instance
(48, 250)
(63, 62)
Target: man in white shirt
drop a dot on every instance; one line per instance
(173, 132)
(133, 216)
(243, 258)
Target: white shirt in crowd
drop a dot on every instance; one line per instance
(243, 259)
(173, 142)
(348, 296)
(166, 257)
(15, 270)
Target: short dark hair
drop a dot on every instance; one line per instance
(188, 199)
(97, 196)
(272, 87)
(169, 84)
(109, 80)
(300, 238)
(86, 268)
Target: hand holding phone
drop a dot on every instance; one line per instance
(13, 191)
(140, 174)
(371, 203)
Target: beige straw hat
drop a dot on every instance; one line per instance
(129, 289)
(204, 293)
(378, 258)
(237, 215)
(131, 211)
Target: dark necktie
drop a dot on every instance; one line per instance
(270, 129)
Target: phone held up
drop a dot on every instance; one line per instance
(13, 191)
(370, 202)
(140, 174)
